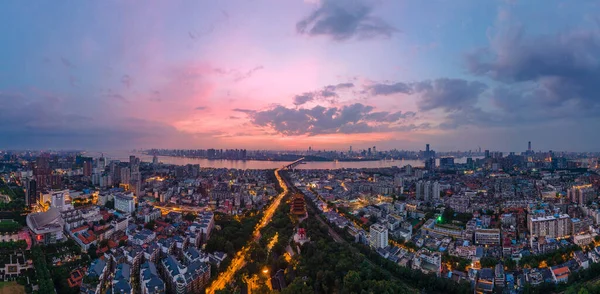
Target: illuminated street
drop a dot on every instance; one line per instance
(240, 258)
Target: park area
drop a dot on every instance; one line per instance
(11, 288)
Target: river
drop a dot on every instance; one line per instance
(261, 164)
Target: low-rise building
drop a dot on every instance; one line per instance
(487, 236)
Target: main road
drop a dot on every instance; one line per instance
(240, 257)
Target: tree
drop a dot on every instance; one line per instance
(92, 251)
(103, 243)
(510, 264)
(488, 262)
(373, 218)
(150, 225)
(190, 217)
(297, 287)
(352, 282)
(110, 204)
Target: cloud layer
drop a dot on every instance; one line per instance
(328, 93)
(344, 19)
(350, 119)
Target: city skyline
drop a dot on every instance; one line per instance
(286, 75)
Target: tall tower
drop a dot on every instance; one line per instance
(529, 146)
(427, 148)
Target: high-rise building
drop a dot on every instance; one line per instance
(487, 153)
(554, 226)
(31, 193)
(125, 203)
(428, 191)
(101, 164)
(42, 165)
(435, 191)
(446, 162)
(470, 163)
(398, 180)
(115, 171)
(125, 176)
(87, 168)
(529, 146)
(430, 163)
(408, 169)
(582, 193)
(378, 236)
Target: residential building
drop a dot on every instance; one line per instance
(554, 226)
(150, 281)
(125, 202)
(487, 236)
(560, 274)
(378, 236)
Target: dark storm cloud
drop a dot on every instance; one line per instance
(355, 118)
(343, 19)
(448, 94)
(550, 71)
(389, 89)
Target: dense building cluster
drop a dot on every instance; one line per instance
(492, 220)
(144, 224)
(489, 221)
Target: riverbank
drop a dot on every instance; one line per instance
(264, 164)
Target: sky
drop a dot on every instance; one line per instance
(289, 74)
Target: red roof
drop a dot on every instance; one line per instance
(561, 272)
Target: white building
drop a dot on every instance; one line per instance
(125, 202)
(58, 200)
(47, 227)
(378, 236)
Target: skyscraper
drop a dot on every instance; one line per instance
(31, 194)
(428, 153)
(87, 168)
